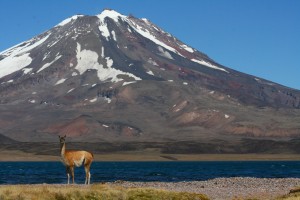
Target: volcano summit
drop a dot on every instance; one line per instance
(122, 83)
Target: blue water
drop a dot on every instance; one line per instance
(54, 172)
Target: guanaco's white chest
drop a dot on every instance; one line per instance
(78, 162)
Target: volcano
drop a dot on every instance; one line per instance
(123, 83)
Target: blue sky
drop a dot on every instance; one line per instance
(258, 37)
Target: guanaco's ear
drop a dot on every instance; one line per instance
(65, 136)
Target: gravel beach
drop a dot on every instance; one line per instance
(226, 188)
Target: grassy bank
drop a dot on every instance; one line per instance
(107, 192)
(93, 192)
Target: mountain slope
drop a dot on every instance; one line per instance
(115, 78)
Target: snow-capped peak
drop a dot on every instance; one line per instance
(68, 20)
(103, 25)
(148, 30)
(111, 14)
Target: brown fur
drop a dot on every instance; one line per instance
(73, 158)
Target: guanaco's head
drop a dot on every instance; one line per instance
(62, 139)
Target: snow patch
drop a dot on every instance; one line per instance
(114, 35)
(32, 101)
(152, 62)
(21, 48)
(103, 25)
(127, 83)
(164, 53)
(46, 56)
(60, 81)
(26, 70)
(109, 62)
(93, 100)
(187, 48)
(8, 51)
(185, 83)
(107, 99)
(104, 125)
(53, 43)
(150, 72)
(226, 116)
(104, 31)
(12, 64)
(111, 14)
(68, 20)
(147, 34)
(87, 59)
(102, 51)
(74, 74)
(71, 90)
(207, 64)
(145, 20)
(48, 64)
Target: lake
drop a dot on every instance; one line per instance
(54, 172)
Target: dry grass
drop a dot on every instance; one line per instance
(92, 192)
(293, 195)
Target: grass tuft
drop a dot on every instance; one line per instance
(293, 195)
(92, 192)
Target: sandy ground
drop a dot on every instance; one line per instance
(226, 188)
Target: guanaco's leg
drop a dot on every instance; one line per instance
(72, 173)
(68, 173)
(87, 173)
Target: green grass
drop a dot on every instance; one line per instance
(92, 192)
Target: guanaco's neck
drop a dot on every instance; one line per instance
(63, 149)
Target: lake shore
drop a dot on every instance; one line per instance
(214, 189)
(225, 188)
(152, 156)
(218, 188)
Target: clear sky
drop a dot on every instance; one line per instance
(258, 37)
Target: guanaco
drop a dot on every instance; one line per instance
(75, 158)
